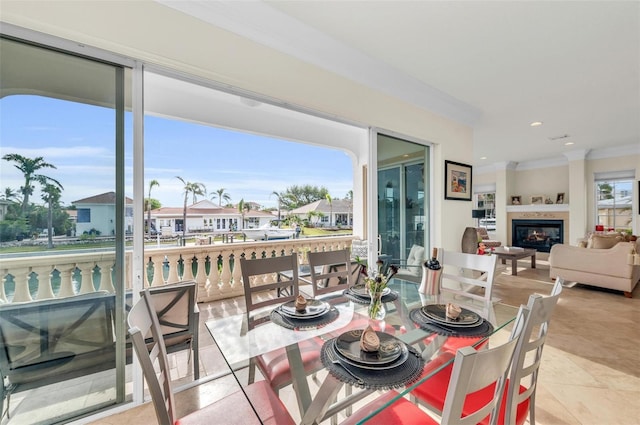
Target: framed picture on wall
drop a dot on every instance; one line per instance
(457, 181)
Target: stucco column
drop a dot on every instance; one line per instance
(505, 183)
(577, 195)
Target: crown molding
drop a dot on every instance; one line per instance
(577, 155)
(614, 152)
(259, 22)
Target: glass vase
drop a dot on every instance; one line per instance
(376, 307)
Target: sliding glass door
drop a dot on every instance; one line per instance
(62, 133)
(402, 196)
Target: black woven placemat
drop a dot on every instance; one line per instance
(359, 299)
(483, 329)
(315, 323)
(375, 379)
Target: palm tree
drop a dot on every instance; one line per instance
(221, 195)
(152, 183)
(195, 189)
(29, 167)
(280, 196)
(51, 195)
(330, 201)
(10, 195)
(242, 209)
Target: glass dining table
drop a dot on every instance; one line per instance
(414, 330)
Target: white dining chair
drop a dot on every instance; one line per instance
(472, 370)
(519, 396)
(468, 275)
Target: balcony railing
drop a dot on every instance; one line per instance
(211, 266)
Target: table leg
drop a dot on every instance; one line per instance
(533, 261)
(298, 377)
(326, 394)
(514, 267)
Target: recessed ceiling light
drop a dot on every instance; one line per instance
(536, 124)
(483, 157)
(568, 143)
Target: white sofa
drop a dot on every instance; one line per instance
(601, 267)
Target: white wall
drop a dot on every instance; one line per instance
(547, 182)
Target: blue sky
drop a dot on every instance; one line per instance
(78, 140)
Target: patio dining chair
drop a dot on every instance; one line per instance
(264, 286)
(518, 398)
(332, 271)
(235, 408)
(472, 371)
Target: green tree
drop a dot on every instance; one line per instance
(153, 183)
(29, 168)
(195, 189)
(330, 202)
(605, 191)
(10, 195)
(50, 195)
(221, 195)
(297, 196)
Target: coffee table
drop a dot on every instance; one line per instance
(514, 256)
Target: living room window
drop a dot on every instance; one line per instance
(613, 200)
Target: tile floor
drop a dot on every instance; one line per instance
(590, 373)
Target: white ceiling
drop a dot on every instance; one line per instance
(495, 65)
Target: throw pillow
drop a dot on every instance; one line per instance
(415, 259)
(604, 242)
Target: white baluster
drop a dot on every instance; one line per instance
(237, 271)
(86, 271)
(188, 267)
(225, 275)
(21, 279)
(213, 276)
(158, 265)
(66, 280)
(106, 280)
(173, 268)
(3, 294)
(45, 289)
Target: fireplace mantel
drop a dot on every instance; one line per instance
(542, 208)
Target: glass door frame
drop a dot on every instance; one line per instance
(136, 267)
(372, 190)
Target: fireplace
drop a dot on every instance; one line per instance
(540, 235)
